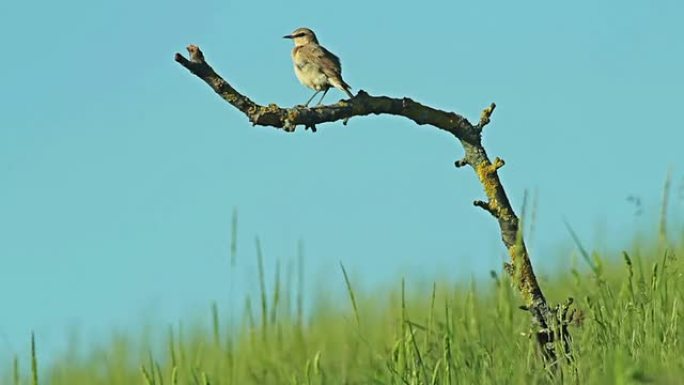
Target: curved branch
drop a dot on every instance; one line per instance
(470, 136)
(360, 105)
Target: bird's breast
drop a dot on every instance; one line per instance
(308, 72)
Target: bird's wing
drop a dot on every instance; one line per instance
(329, 63)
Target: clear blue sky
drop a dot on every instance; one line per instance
(119, 170)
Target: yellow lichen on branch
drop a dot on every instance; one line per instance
(521, 272)
(486, 172)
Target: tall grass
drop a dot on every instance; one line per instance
(627, 329)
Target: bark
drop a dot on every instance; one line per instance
(550, 324)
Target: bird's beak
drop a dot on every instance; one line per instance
(288, 37)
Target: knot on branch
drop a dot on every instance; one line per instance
(485, 170)
(288, 126)
(361, 94)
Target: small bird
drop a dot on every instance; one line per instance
(315, 66)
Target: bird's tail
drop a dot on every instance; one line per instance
(342, 86)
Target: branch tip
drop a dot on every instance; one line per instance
(486, 115)
(485, 206)
(498, 163)
(196, 55)
(490, 109)
(461, 162)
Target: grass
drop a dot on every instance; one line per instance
(628, 331)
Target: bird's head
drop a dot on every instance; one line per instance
(302, 36)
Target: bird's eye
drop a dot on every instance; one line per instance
(299, 34)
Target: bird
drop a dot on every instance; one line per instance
(315, 66)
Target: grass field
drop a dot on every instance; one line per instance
(628, 331)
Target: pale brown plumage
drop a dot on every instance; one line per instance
(315, 66)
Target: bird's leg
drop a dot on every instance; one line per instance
(311, 98)
(324, 92)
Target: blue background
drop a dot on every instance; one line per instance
(119, 171)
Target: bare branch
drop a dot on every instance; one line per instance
(362, 104)
(470, 136)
